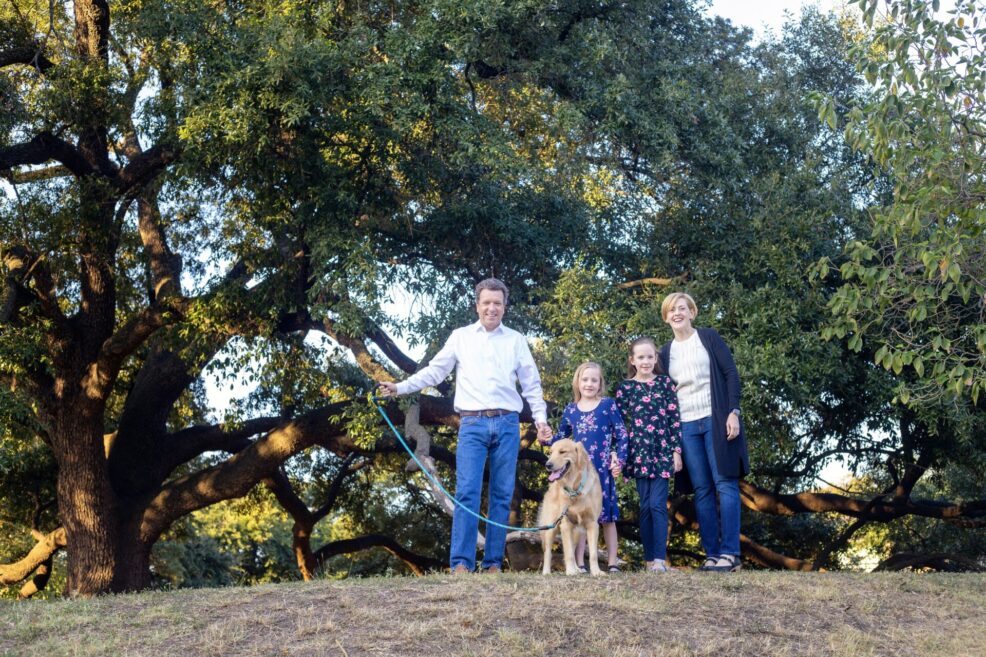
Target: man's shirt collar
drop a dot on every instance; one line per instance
(478, 327)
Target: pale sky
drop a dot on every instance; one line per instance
(766, 14)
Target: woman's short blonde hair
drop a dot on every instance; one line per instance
(670, 301)
(588, 365)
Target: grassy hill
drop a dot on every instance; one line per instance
(762, 614)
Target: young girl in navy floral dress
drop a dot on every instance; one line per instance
(594, 421)
(649, 405)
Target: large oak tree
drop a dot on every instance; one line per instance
(198, 186)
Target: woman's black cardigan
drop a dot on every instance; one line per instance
(732, 458)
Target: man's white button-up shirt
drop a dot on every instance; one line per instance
(488, 365)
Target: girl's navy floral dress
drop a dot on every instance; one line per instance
(650, 409)
(601, 431)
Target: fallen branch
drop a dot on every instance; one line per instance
(417, 563)
(39, 581)
(942, 561)
(47, 546)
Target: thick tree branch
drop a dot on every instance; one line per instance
(301, 531)
(47, 546)
(38, 175)
(390, 349)
(764, 501)
(304, 518)
(192, 442)
(44, 148)
(941, 561)
(127, 339)
(764, 556)
(261, 459)
(647, 281)
(682, 511)
(370, 365)
(418, 564)
(144, 167)
(29, 55)
(165, 266)
(235, 477)
(279, 484)
(39, 581)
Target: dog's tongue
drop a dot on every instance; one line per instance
(554, 474)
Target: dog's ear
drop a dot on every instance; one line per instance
(583, 456)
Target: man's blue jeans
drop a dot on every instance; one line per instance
(480, 437)
(719, 528)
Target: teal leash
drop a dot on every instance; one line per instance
(449, 495)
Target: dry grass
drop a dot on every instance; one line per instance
(674, 615)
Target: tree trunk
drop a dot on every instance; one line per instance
(86, 502)
(133, 571)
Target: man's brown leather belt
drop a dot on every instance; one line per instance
(491, 412)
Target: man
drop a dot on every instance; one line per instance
(489, 360)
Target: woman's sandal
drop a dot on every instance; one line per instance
(615, 569)
(710, 564)
(731, 565)
(583, 569)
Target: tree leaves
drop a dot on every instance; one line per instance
(916, 290)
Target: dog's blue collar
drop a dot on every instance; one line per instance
(578, 491)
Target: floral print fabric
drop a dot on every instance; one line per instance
(654, 426)
(601, 431)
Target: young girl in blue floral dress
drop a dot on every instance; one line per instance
(594, 421)
(649, 405)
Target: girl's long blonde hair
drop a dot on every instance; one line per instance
(588, 365)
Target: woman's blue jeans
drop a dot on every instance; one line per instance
(718, 525)
(653, 517)
(497, 438)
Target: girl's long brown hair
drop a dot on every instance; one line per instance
(631, 369)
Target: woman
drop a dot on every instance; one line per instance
(713, 444)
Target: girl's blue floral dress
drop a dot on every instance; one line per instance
(601, 431)
(654, 424)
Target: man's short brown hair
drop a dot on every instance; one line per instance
(494, 284)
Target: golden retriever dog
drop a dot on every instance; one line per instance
(573, 485)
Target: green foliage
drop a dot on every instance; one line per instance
(913, 290)
(350, 156)
(244, 541)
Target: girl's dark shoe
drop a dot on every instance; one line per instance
(583, 570)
